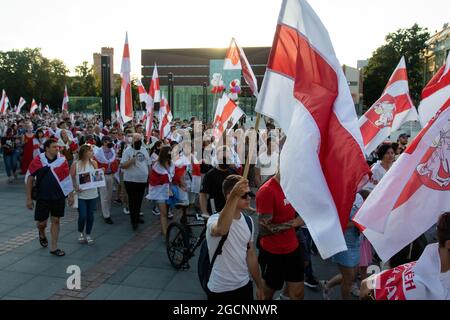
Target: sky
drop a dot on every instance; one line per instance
(73, 30)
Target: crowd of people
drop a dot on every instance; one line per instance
(275, 255)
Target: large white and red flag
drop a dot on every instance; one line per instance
(390, 111)
(236, 59)
(59, 169)
(4, 103)
(435, 93)
(165, 117)
(226, 111)
(413, 193)
(33, 107)
(22, 102)
(65, 103)
(126, 101)
(322, 163)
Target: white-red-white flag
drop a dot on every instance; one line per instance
(22, 102)
(65, 103)
(143, 95)
(226, 112)
(3, 103)
(47, 109)
(413, 193)
(165, 117)
(118, 116)
(236, 59)
(126, 102)
(435, 93)
(154, 91)
(322, 163)
(33, 107)
(390, 111)
(59, 169)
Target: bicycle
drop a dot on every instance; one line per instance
(181, 240)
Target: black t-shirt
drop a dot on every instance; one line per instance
(212, 185)
(8, 145)
(48, 186)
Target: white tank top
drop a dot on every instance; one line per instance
(89, 193)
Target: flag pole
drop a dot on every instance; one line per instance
(252, 146)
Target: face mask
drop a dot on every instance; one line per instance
(137, 145)
(110, 145)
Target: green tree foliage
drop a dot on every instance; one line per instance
(409, 43)
(85, 82)
(28, 74)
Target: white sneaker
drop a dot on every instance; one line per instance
(283, 297)
(170, 215)
(141, 214)
(126, 211)
(89, 240)
(81, 238)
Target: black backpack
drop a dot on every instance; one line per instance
(205, 265)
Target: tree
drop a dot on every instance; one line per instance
(409, 43)
(28, 74)
(84, 84)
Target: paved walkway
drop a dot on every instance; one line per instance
(122, 264)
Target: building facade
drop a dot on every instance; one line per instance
(105, 51)
(193, 68)
(438, 48)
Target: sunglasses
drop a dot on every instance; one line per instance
(247, 194)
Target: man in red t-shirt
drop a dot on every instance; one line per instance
(280, 255)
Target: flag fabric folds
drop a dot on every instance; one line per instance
(390, 111)
(236, 59)
(65, 103)
(59, 168)
(165, 117)
(305, 90)
(413, 193)
(126, 102)
(4, 103)
(22, 102)
(226, 111)
(435, 93)
(33, 107)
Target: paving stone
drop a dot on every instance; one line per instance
(10, 280)
(40, 287)
(150, 278)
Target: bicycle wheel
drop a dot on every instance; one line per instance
(177, 240)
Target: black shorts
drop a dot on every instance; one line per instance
(44, 208)
(280, 268)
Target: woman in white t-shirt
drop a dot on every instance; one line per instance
(87, 199)
(387, 155)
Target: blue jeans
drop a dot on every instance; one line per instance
(11, 162)
(86, 210)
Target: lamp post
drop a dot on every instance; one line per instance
(170, 92)
(205, 103)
